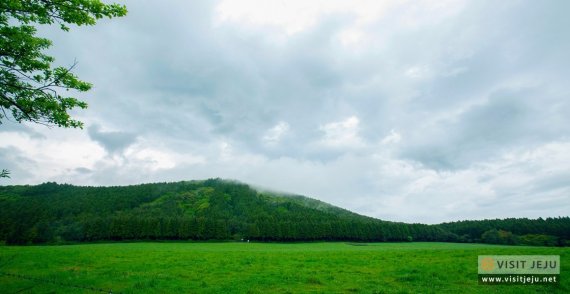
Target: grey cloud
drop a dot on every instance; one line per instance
(113, 142)
(509, 119)
(205, 81)
(223, 82)
(551, 182)
(10, 126)
(83, 170)
(492, 79)
(15, 161)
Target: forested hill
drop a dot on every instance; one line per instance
(224, 210)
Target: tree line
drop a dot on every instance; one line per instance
(512, 231)
(223, 210)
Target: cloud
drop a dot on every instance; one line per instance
(342, 133)
(506, 120)
(19, 165)
(83, 170)
(113, 142)
(275, 134)
(414, 111)
(32, 159)
(393, 138)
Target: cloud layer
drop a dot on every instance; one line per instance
(422, 111)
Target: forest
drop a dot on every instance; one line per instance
(218, 209)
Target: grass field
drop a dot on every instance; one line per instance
(260, 268)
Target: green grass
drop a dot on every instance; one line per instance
(261, 268)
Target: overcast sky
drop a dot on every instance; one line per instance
(416, 111)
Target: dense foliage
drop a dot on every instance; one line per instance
(31, 88)
(213, 210)
(539, 232)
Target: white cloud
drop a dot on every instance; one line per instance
(351, 37)
(295, 16)
(418, 72)
(151, 159)
(342, 134)
(61, 152)
(393, 138)
(274, 134)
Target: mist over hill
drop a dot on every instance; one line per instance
(216, 209)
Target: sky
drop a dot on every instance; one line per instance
(415, 111)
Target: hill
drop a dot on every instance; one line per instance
(217, 209)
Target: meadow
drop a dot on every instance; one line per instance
(328, 267)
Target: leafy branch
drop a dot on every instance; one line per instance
(31, 88)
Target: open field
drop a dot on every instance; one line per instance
(260, 268)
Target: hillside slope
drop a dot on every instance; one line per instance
(198, 210)
(217, 209)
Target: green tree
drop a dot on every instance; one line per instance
(491, 237)
(31, 88)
